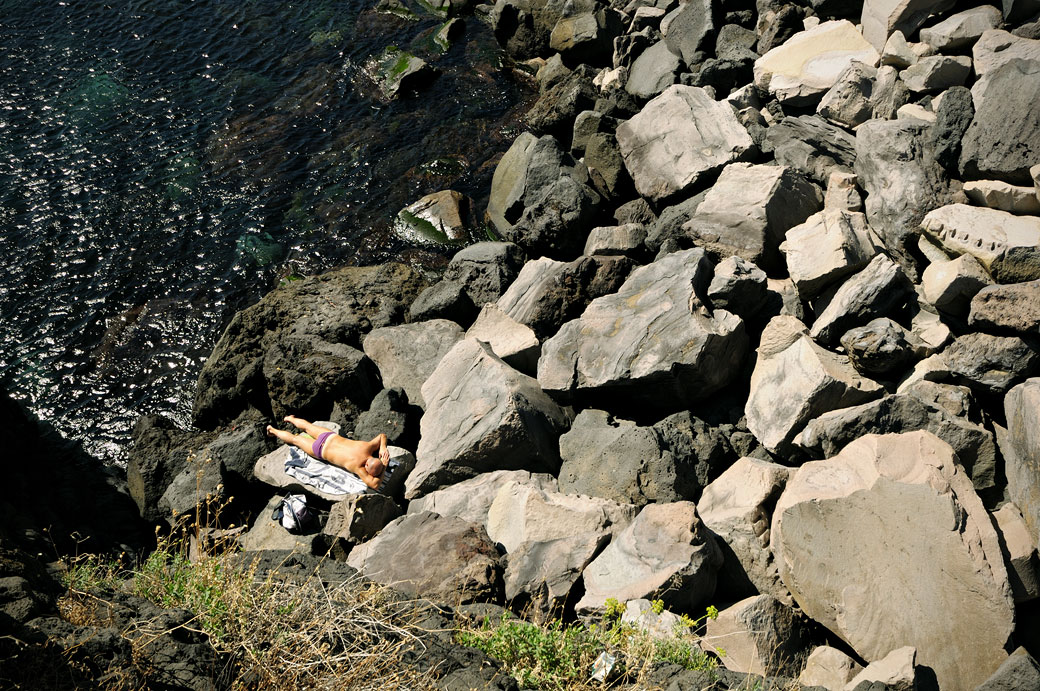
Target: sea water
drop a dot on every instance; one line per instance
(165, 163)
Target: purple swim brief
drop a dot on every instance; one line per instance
(319, 444)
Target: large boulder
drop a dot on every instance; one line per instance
(679, 137)
(795, 380)
(159, 453)
(811, 145)
(548, 293)
(653, 71)
(737, 507)
(997, 47)
(1001, 140)
(665, 553)
(878, 290)
(512, 341)
(1015, 307)
(540, 576)
(427, 555)
(619, 460)
(306, 329)
(962, 29)
(1008, 246)
(887, 545)
(748, 210)
(991, 363)
(653, 342)
(974, 445)
(848, 102)
(1019, 671)
(1022, 452)
(758, 635)
(691, 29)
(809, 63)
(829, 246)
(880, 18)
(524, 513)
(471, 499)
(407, 354)
(896, 167)
(482, 415)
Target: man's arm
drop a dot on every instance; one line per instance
(384, 453)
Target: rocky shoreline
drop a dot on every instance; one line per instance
(761, 331)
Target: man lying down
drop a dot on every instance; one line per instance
(366, 459)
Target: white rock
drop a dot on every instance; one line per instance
(897, 670)
(810, 62)
(1021, 553)
(736, 506)
(949, 286)
(1007, 245)
(897, 52)
(842, 193)
(796, 380)
(913, 111)
(524, 513)
(887, 545)
(997, 194)
(828, 667)
(509, 339)
(830, 245)
(961, 29)
(936, 73)
(678, 137)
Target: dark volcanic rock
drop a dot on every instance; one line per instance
(317, 317)
(991, 363)
(810, 144)
(555, 110)
(476, 275)
(951, 121)
(879, 347)
(1015, 307)
(159, 453)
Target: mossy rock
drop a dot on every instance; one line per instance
(395, 70)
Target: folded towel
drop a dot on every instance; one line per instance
(328, 478)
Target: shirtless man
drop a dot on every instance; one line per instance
(359, 457)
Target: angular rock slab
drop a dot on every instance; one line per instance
(677, 138)
(897, 670)
(1019, 671)
(796, 380)
(1022, 452)
(652, 341)
(407, 354)
(748, 210)
(512, 341)
(1008, 246)
(828, 667)
(525, 513)
(997, 47)
(878, 290)
(962, 29)
(830, 245)
(665, 553)
(737, 507)
(426, 555)
(882, 17)
(887, 545)
(471, 499)
(482, 415)
(1020, 553)
(1015, 307)
(810, 62)
(758, 635)
(540, 575)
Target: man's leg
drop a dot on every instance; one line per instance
(307, 427)
(293, 439)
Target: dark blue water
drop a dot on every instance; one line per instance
(163, 164)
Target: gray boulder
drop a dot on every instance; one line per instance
(748, 210)
(880, 289)
(540, 576)
(586, 37)
(557, 222)
(297, 333)
(407, 354)
(677, 138)
(665, 553)
(510, 340)
(739, 287)
(952, 118)
(1019, 553)
(690, 30)
(548, 293)
(653, 341)
(621, 461)
(1022, 452)
(390, 414)
(626, 239)
(962, 29)
(158, 454)
(796, 380)
(268, 534)
(1001, 140)
(974, 445)
(896, 167)
(758, 635)
(897, 671)
(426, 555)
(881, 17)
(828, 667)
(524, 513)
(559, 104)
(811, 145)
(1018, 671)
(889, 93)
(996, 47)
(442, 217)
(482, 415)
(653, 71)
(737, 507)
(881, 347)
(991, 363)
(359, 517)
(1015, 307)
(996, 194)
(936, 73)
(859, 518)
(471, 499)
(848, 102)
(950, 285)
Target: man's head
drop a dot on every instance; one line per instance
(374, 466)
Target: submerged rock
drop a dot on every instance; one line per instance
(395, 70)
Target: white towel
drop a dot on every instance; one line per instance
(328, 478)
